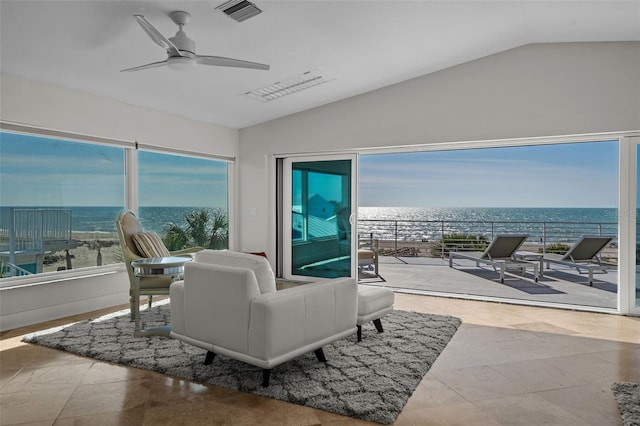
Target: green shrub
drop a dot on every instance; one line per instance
(555, 248)
(203, 228)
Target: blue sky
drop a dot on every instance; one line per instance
(74, 174)
(70, 174)
(567, 175)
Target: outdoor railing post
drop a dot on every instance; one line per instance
(395, 237)
(442, 239)
(12, 236)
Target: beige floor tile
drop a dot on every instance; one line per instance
(472, 334)
(583, 344)
(32, 379)
(451, 415)
(231, 413)
(107, 398)
(626, 362)
(507, 345)
(594, 403)
(544, 327)
(34, 406)
(6, 376)
(326, 418)
(592, 367)
(29, 355)
(101, 372)
(431, 392)
(120, 418)
(478, 383)
(537, 375)
(528, 409)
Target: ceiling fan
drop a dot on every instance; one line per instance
(181, 50)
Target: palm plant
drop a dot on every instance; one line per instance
(204, 228)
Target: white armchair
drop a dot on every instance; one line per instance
(228, 305)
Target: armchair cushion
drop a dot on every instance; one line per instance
(149, 244)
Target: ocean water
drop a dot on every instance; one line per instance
(103, 219)
(428, 224)
(404, 223)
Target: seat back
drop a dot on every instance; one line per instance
(504, 246)
(587, 248)
(217, 303)
(259, 264)
(127, 226)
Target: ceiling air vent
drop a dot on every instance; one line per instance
(289, 86)
(240, 10)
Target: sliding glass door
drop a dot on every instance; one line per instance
(636, 276)
(319, 205)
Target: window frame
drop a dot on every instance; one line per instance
(131, 192)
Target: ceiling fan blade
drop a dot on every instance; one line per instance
(220, 61)
(157, 36)
(147, 66)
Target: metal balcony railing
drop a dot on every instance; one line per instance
(33, 229)
(11, 270)
(437, 237)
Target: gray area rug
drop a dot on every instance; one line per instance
(371, 380)
(628, 398)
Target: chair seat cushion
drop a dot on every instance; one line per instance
(374, 302)
(149, 244)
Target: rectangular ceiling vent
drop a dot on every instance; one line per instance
(240, 10)
(289, 86)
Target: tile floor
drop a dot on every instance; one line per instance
(507, 365)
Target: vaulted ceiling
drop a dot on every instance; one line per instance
(358, 46)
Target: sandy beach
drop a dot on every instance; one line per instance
(93, 248)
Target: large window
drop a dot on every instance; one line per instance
(184, 199)
(59, 200)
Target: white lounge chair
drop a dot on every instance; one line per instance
(500, 254)
(584, 256)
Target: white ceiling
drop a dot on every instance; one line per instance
(362, 45)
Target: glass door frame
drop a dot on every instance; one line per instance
(285, 233)
(627, 220)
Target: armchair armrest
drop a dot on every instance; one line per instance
(297, 320)
(189, 250)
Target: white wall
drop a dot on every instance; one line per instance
(535, 90)
(57, 108)
(32, 304)
(37, 104)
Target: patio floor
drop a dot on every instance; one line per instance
(560, 285)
